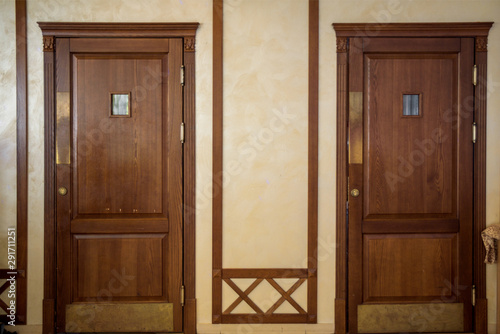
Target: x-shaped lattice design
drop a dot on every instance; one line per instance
(244, 296)
(4, 287)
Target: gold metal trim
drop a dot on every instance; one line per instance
(474, 132)
(63, 149)
(474, 75)
(120, 318)
(356, 127)
(393, 318)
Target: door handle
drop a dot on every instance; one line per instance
(355, 193)
(62, 191)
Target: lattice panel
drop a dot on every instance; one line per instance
(4, 300)
(279, 300)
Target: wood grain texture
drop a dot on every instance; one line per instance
(412, 44)
(190, 316)
(449, 224)
(410, 163)
(22, 157)
(436, 29)
(265, 273)
(481, 317)
(355, 182)
(146, 30)
(408, 267)
(480, 117)
(217, 160)
(133, 268)
(341, 195)
(132, 179)
(49, 316)
(118, 29)
(49, 276)
(122, 45)
(312, 169)
(466, 197)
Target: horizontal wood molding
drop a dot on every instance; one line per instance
(440, 29)
(118, 29)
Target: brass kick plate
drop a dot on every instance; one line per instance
(119, 318)
(394, 318)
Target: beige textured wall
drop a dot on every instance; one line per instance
(8, 186)
(265, 71)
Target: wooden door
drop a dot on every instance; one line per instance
(119, 180)
(410, 229)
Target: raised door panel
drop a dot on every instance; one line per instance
(133, 268)
(411, 155)
(120, 158)
(409, 267)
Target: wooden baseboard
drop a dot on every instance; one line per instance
(481, 316)
(48, 316)
(190, 316)
(340, 316)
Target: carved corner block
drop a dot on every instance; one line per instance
(341, 44)
(482, 44)
(48, 43)
(189, 44)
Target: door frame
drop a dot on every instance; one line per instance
(344, 31)
(187, 31)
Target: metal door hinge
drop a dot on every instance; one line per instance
(474, 75)
(182, 133)
(474, 132)
(473, 295)
(182, 295)
(182, 75)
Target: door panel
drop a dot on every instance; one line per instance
(131, 179)
(410, 161)
(120, 232)
(121, 270)
(408, 267)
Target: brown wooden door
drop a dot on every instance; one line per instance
(119, 156)
(410, 185)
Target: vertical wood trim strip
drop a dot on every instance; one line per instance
(49, 194)
(481, 93)
(312, 207)
(22, 158)
(312, 231)
(190, 194)
(217, 157)
(341, 231)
